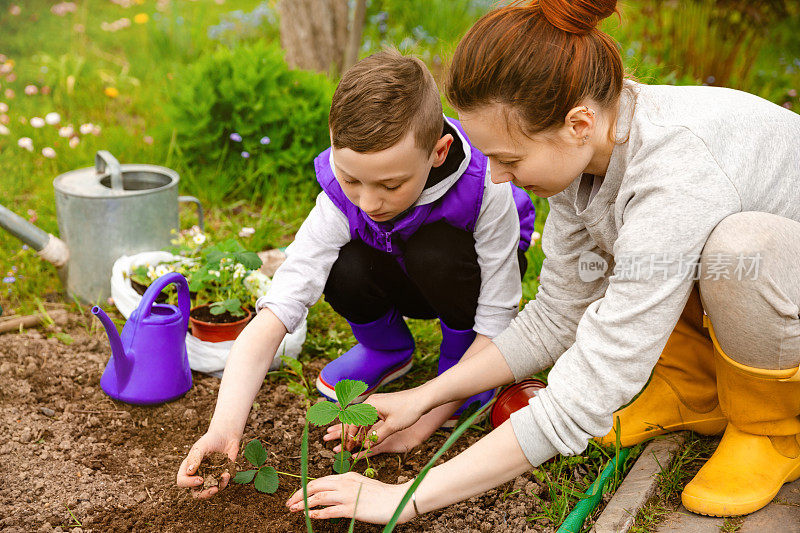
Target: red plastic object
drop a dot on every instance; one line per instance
(513, 398)
(218, 332)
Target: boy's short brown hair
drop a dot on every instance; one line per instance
(380, 99)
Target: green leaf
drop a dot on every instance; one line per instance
(296, 388)
(267, 480)
(359, 414)
(244, 477)
(65, 338)
(255, 453)
(250, 260)
(341, 463)
(322, 413)
(294, 364)
(217, 309)
(304, 474)
(348, 390)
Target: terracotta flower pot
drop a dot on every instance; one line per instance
(513, 398)
(217, 331)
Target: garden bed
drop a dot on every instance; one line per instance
(75, 459)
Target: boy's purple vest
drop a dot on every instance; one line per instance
(458, 207)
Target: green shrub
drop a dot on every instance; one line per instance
(243, 112)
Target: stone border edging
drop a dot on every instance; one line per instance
(639, 485)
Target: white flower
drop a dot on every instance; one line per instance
(52, 118)
(87, 128)
(4, 130)
(535, 236)
(48, 152)
(3, 107)
(37, 122)
(162, 269)
(73, 142)
(247, 232)
(239, 271)
(257, 283)
(65, 131)
(30, 90)
(25, 142)
(151, 272)
(200, 238)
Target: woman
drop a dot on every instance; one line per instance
(690, 197)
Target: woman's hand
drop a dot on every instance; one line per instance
(376, 501)
(206, 445)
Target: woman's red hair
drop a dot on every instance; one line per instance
(541, 58)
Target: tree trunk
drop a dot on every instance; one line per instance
(318, 34)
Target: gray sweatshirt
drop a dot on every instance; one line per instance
(691, 157)
(299, 282)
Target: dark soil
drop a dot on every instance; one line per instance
(74, 459)
(203, 313)
(141, 289)
(212, 467)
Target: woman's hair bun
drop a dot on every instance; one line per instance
(576, 16)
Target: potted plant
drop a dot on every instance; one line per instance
(224, 290)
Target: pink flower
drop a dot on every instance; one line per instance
(15, 10)
(3, 107)
(63, 8)
(10, 94)
(73, 142)
(48, 152)
(30, 90)
(792, 93)
(147, 139)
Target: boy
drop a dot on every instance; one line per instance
(408, 223)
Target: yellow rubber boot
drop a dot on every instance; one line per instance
(760, 450)
(682, 393)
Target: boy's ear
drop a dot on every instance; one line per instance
(441, 149)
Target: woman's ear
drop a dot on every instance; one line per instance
(580, 124)
(441, 149)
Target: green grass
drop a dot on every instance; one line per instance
(671, 480)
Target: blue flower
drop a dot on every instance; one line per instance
(24, 246)
(235, 137)
(265, 140)
(246, 155)
(9, 279)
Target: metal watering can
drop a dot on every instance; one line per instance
(104, 212)
(149, 364)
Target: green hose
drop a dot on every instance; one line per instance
(575, 519)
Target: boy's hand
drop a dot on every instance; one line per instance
(206, 445)
(396, 411)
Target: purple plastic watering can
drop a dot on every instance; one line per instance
(148, 362)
